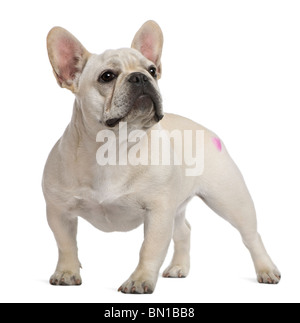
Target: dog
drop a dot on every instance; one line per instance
(116, 92)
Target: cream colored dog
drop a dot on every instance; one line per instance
(116, 89)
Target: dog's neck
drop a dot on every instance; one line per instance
(85, 129)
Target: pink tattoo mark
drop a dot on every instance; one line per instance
(217, 143)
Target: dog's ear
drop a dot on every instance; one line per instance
(67, 57)
(149, 41)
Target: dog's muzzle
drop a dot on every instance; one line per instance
(142, 95)
(138, 79)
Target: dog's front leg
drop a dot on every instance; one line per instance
(64, 227)
(158, 233)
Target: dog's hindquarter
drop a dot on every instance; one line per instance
(200, 150)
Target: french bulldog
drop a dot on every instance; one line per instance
(116, 92)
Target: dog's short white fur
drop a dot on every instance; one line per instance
(110, 88)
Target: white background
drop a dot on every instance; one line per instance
(233, 66)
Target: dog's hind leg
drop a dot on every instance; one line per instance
(226, 193)
(180, 264)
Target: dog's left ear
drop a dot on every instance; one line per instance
(67, 57)
(149, 41)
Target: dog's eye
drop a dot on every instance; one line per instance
(152, 71)
(107, 77)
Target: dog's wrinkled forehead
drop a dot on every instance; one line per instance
(125, 60)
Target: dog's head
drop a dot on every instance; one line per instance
(118, 85)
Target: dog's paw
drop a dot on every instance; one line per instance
(65, 278)
(272, 276)
(137, 287)
(176, 271)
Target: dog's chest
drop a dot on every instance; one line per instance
(109, 207)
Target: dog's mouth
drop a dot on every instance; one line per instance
(142, 105)
(143, 102)
(113, 122)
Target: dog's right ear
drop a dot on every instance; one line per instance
(67, 57)
(149, 41)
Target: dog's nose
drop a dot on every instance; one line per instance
(138, 79)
